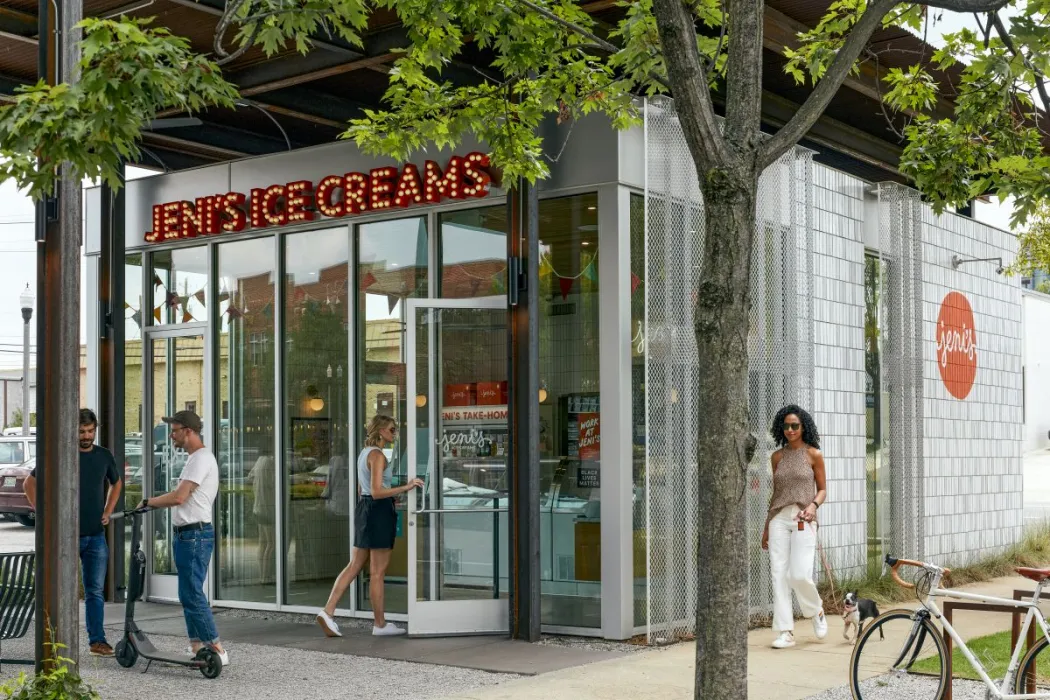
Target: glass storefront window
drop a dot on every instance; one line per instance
(876, 410)
(244, 371)
(638, 432)
(570, 446)
(473, 252)
(392, 267)
(180, 280)
(134, 300)
(316, 466)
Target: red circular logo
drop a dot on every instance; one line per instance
(956, 345)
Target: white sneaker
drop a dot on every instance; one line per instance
(328, 625)
(390, 630)
(785, 640)
(820, 625)
(225, 656)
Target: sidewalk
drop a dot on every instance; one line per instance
(772, 674)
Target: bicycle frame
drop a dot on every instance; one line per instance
(1015, 659)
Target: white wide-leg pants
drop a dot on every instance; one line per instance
(791, 553)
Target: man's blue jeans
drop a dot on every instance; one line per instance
(94, 556)
(192, 549)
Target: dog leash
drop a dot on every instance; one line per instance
(827, 570)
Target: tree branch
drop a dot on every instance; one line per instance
(968, 5)
(744, 76)
(807, 115)
(1004, 34)
(689, 84)
(602, 43)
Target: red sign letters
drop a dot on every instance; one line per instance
(334, 196)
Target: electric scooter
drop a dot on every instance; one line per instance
(134, 642)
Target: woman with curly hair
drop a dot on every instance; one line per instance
(790, 534)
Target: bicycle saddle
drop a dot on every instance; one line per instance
(1034, 574)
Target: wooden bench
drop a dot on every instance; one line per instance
(17, 598)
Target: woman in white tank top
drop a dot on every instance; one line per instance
(375, 526)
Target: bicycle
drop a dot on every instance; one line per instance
(891, 659)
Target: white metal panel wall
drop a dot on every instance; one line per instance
(780, 348)
(1037, 370)
(838, 351)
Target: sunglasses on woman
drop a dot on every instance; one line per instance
(792, 426)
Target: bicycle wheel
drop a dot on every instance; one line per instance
(1034, 674)
(900, 654)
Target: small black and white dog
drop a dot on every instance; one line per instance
(854, 612)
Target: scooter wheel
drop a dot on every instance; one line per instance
(212, 663)
(125, 654)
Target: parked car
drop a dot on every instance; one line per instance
(13, 501)
(18, 431)
(16, 449)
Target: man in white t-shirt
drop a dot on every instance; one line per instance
(194, 536)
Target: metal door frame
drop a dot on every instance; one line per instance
(496, 610)
(164, 587)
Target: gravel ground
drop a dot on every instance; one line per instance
(265, 673)
(906, 688)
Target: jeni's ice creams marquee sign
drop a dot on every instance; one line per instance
(334, 196)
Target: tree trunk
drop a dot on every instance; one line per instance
(725, 444)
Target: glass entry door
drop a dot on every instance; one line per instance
(458, 443)
(175, 380)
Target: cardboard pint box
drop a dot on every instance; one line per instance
(492, 393)
(460, 395)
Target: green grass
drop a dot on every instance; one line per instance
(1033, 550)
(993, 651)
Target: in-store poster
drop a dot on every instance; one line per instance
(590, 437)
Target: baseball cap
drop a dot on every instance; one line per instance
(187, 418)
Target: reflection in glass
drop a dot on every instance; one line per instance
(473, 252)
(132, 399)
(876, 410)
(463, 556)
(316, 407)
(246, 546)
(392, 267)
(570, 432)
(178, 384)
(180, 279)
(638, 432)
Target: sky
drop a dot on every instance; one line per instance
(18, 249)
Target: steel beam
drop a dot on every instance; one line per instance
(523, 410)
(58, 372)
(111, 364)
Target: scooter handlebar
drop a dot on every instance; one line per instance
(129, 513)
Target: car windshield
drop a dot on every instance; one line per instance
(12, 452)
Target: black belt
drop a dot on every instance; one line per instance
(191, 526)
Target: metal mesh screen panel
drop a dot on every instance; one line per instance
(900, 230)
(780, 352)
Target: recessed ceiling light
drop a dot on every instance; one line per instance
(591, 208)
(586, 242)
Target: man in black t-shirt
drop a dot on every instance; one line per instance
(98, 471)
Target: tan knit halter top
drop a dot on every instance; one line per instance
(793, 482)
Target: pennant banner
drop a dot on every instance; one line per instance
(172, 300)
(391, 301)
(156, 314)
(157, 281)
(137, 318)
(187, 316)
(565, 283)
(199, 296)
(635, 281)
(367, 281)
(591, 271)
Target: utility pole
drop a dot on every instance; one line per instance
(26, 302)
(59, 233)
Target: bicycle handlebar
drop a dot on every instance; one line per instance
(895, 564)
